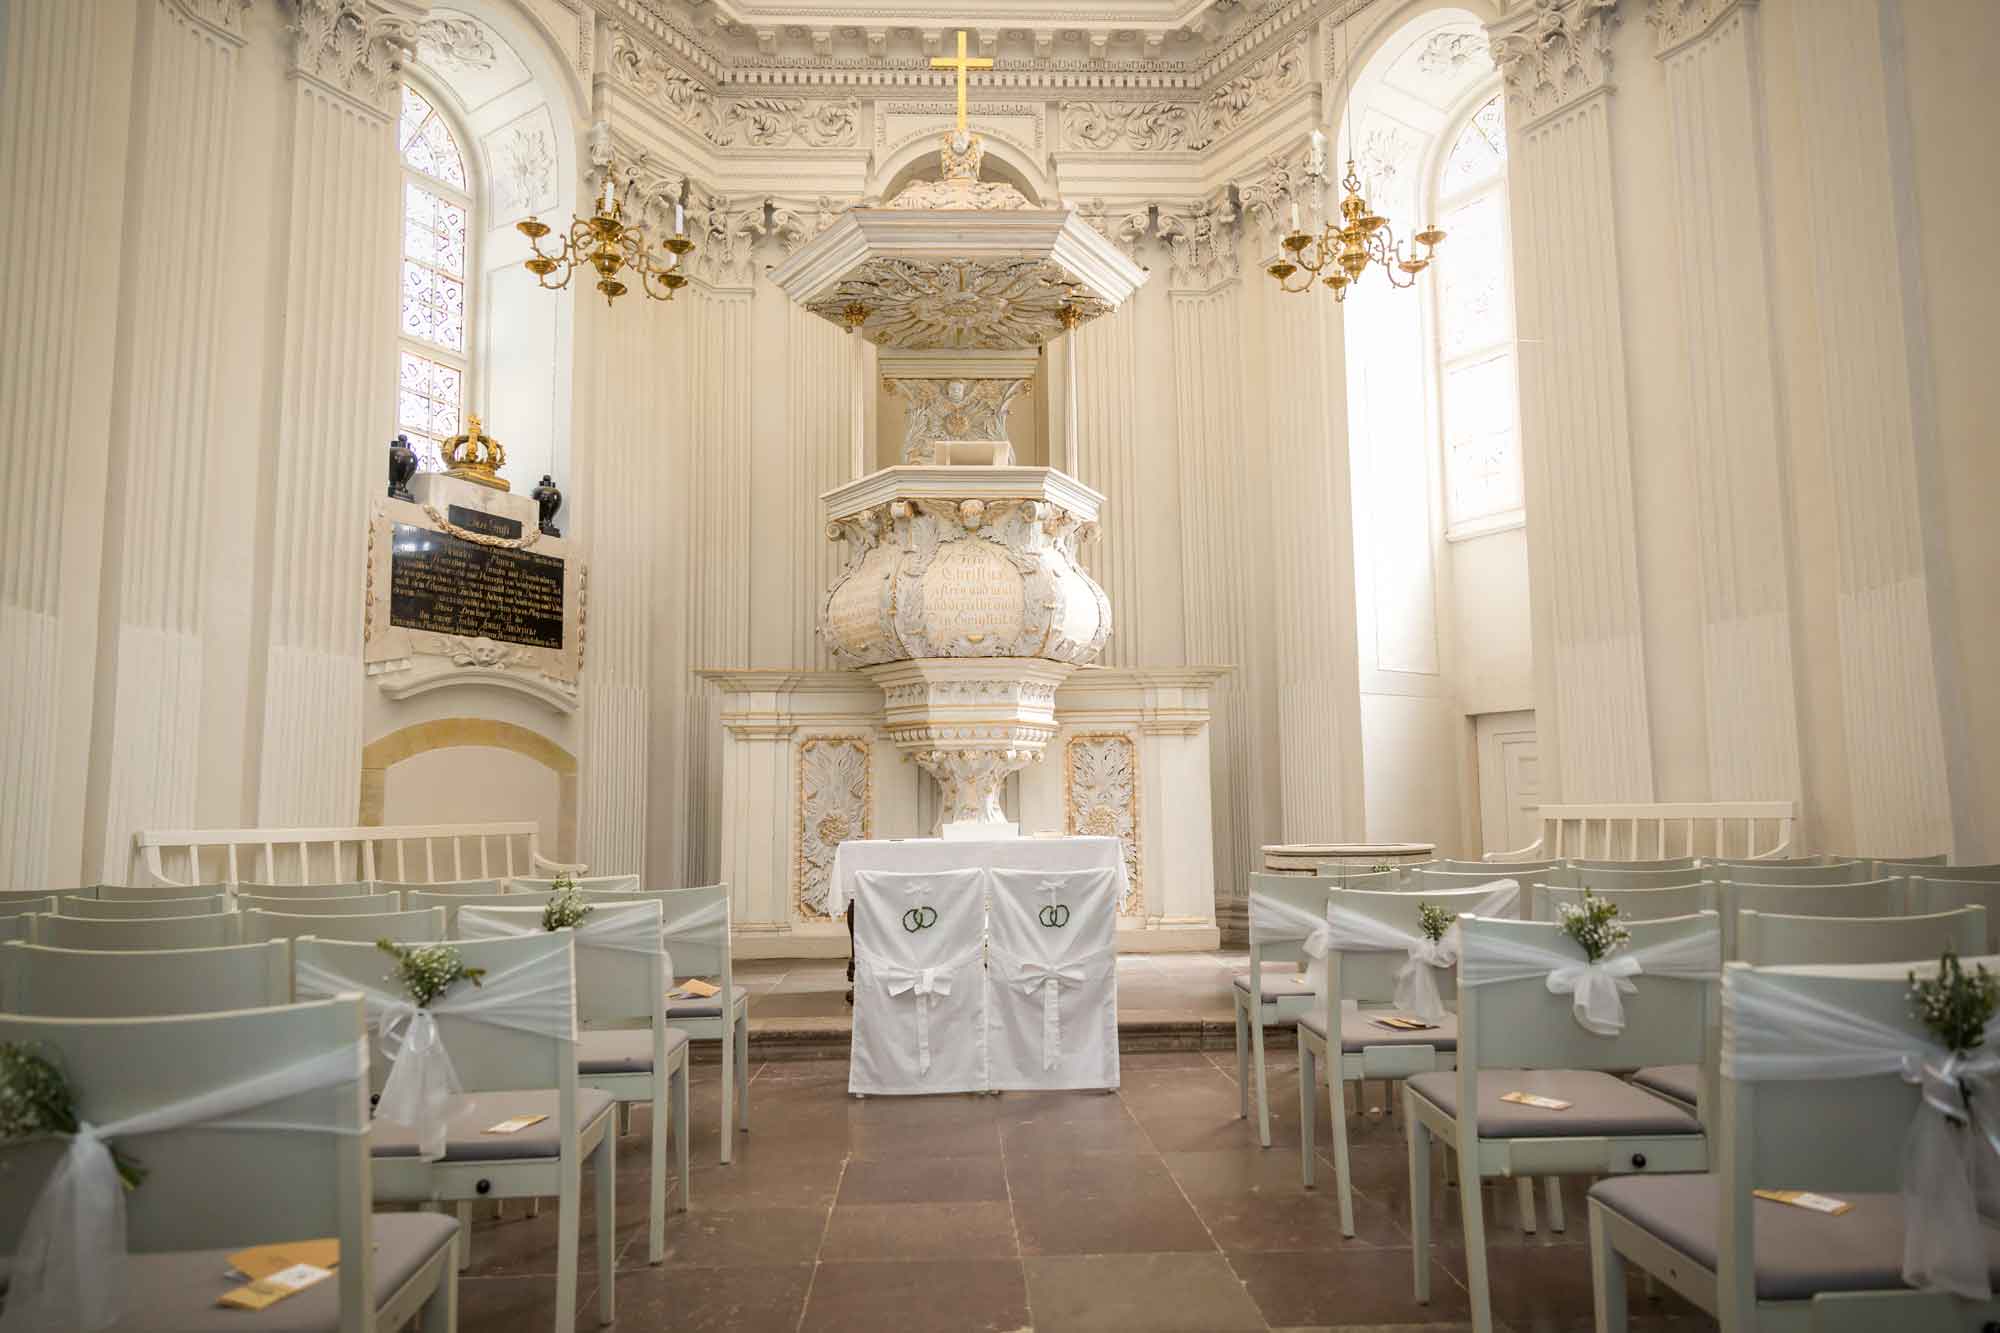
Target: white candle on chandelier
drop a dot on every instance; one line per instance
(1295, 215)
(680, 219)
(1319, 150)
(607, 192)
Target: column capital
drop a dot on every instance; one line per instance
(1676, 23)
(1553, 54)
(355, 49)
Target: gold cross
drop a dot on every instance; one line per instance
(961, 64)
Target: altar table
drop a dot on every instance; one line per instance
(929, 855)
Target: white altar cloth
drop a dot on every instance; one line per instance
(929, 855)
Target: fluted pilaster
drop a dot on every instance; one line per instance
(1868, 286)
(165, 415)
(1729, 362)
(1107, 384)
(1218, 589)
(1576, 436)
(1310, 522)
(46, 93)
(819, 419)
(721, 537)
(335, 400)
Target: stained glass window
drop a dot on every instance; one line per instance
(1477, 375)
(433, 323)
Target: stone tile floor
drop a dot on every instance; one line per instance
(1150, 1209)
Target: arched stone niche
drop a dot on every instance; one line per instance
(469, 769)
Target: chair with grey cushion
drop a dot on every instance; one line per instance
(582, 884)
(1766, 939)
(1606, 878)
(212, 1188)
(1285, 911)
(415, 900)
(1517, 1036)
(423, 926)
(179, 932)
(1363, 966)
(1945, 890)
(82, 983)
(1649, 904)
(624, 1046)
(1760, 872)
(1761, 1265)
(161, 890)
(1878, 897)
(509, 1068)
(17, 916)
(695, 927)
(141, 909)
(353, 888)
(344, 905)
(472, 886)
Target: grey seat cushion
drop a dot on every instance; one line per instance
(1799, 1253)
(1278, 984)
(176, 1292)
(465, 1136)
(701, 1006)
(623, 1050)
(1358, 1030)
(1676, 1081)
(1601, 1104)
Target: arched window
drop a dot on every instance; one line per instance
(1477, 374)
(432, 354)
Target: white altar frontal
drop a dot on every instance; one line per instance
(963, 615)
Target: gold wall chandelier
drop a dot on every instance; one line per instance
(1345, 246)
(609, 245)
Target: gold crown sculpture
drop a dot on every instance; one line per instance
(475, 457)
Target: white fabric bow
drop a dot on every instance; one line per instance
(925, 983)
(536, 995)
(1951, 1152)
(1416, 981)
(1275, 921)
(1050, 977)
(69, 1268)
(1599, 988)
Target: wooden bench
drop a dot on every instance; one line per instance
(408, 853)
(1652, 831)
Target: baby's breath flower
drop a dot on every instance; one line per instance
(1593, 924)
(565, 909)
(1956, 1005)
(1434, 920)
(427, 971)
(36, 1099)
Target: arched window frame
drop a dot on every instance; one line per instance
(1463, 521)
(429, 437)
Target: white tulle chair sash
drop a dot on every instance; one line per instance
(623, 926)
(68, 1271)
(1416, 980)
(1951, 1150)
(1599, 988)
(707, 926)
(536, 995)
(1275, 921)
(924, 984)
(1049, 977)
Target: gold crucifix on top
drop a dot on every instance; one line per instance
(962, 63)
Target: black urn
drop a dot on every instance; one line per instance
(550, 499)
(402, 466)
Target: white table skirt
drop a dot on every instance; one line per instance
(930, 855)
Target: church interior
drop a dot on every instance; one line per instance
(778, 666)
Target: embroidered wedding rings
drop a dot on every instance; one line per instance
(919, 918)
(1055, 915)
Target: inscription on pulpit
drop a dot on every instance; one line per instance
(972, 592)
(447, 585)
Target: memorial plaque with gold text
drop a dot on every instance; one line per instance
(447, 585)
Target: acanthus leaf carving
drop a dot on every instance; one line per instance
(357, 49)
(835, 803)
(1159, 127)
(1675, 21)
(1554, 52)
(727, 122)
(1123, 225)
(1284, 180)
(1101, 798)
(1200, 238)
